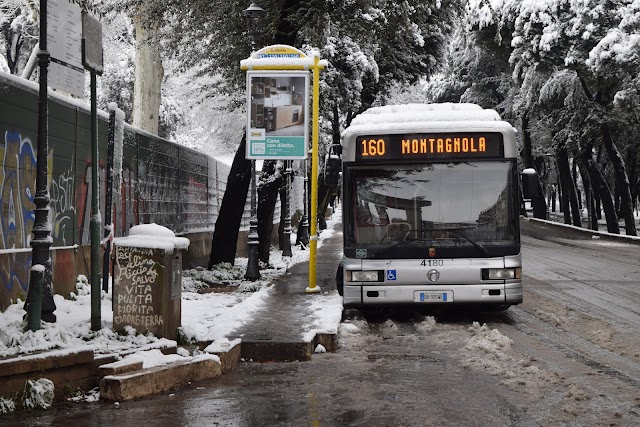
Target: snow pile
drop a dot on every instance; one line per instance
(320, 349)
(222, 345)
(6, 406)
(212, 316)
(426, 116)
(492, 352)
(72, 331)
(91, 396)
(326, 314)
(152, 236)
(407, 117)
(427, 325)
(82, 287)
(349, 333)
(38, 394)
(224, 273)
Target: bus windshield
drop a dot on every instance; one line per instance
(469, 205)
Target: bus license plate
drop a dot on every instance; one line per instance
(433, 296)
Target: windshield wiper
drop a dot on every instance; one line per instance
(470, 240)
(458, 231)
(388, 248)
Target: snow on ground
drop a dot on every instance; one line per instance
(205, 317)
(478, 347)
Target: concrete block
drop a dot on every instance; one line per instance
(229, 360)
(328, 341)
(158, 379)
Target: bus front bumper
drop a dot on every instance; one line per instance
(357, 294)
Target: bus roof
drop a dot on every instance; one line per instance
(422, 117)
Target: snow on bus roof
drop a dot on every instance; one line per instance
(403, 117)
(403, 108)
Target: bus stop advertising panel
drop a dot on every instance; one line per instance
(278, 115)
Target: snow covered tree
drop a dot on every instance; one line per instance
(574, 65)
(19, 33)
(551, 35)
(372, 45)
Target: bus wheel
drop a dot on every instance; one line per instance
(340, 280)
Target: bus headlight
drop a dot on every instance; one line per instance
(501, 273)
(365, 276)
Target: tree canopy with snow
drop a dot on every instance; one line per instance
(566, 71)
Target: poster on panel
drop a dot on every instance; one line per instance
(277, 115)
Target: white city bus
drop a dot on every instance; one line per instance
(430, 207)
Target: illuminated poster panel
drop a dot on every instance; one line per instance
(277, 115)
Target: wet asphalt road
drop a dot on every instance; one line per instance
(569, 355)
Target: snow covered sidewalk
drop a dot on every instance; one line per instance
(209, 318)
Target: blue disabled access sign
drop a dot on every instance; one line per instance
(278, 116)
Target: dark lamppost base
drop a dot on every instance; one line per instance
(253, 267)
(286, 250)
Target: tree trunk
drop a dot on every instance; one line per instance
(569, 195)
(585, 174)
(335, 125)
(538, 203)
(527, 155)
(600, 185)
(622, 180)
(558, 186)
(632, 161)
(271, 180)
(225, 235)
(574, 177)
(148, 79)
(281, 237)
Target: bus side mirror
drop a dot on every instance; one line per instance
(529, 184)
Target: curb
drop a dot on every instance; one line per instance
(287, 351)
(585, 232)
(126, 382)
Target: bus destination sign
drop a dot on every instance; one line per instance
(430, 146)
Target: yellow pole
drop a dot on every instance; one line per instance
(313, 238)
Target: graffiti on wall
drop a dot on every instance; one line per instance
(161, 182)
(62, 207)
(18, 190)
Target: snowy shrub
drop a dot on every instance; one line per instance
(38, 394)
(250, 286)
(196, 279)
(82, 287)
(6, 406)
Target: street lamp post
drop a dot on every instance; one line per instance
(40, 304)
(253, 14)
(303, 228)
